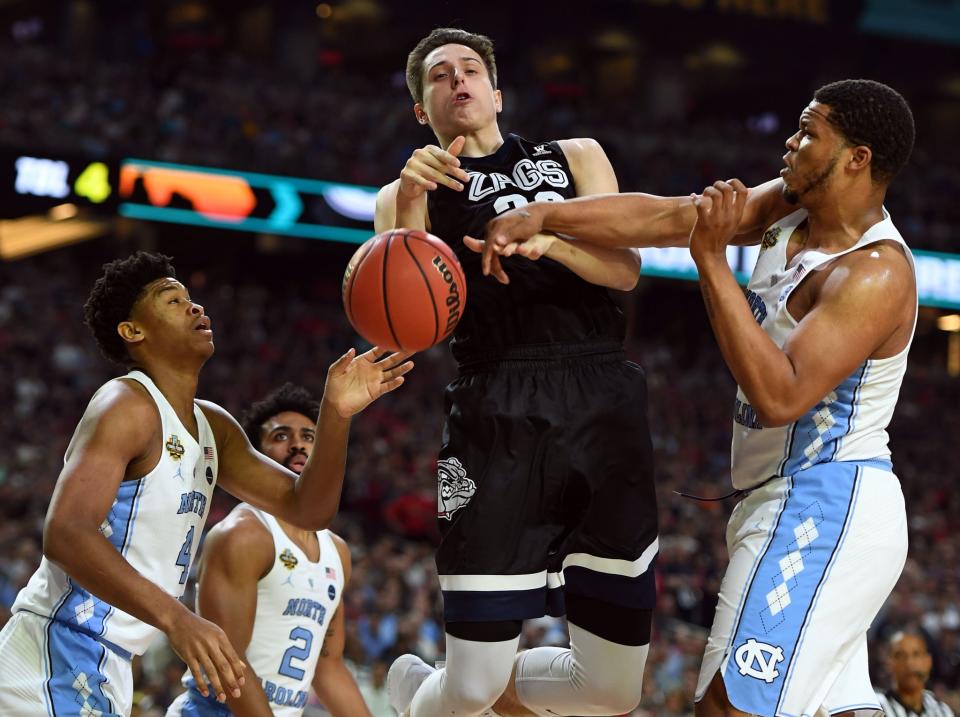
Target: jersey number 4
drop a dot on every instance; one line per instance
(183, 559)
(296, 652)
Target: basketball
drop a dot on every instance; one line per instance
(404, 290)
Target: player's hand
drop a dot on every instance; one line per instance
(534, 248)
(719, 210)
(208, 654)
(503, 233)
(354, 382)
(431, 166)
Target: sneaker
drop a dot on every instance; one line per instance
(404, 678)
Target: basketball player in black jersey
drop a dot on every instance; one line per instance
(545, 495)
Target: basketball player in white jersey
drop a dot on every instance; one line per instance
(130, 504)
(818, 347)
(276, 589)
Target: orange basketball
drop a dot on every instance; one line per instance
(404, 290)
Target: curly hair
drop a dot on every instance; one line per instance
(872, 114)
(481, 44)
(289, 397)
(114, 294)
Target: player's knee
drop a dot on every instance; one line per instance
(473, 696)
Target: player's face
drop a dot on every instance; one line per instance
(170, 321)
(813, 154)
(288, 439)
(458, 96)
(910, 663)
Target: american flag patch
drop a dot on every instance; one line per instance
(331, 573)
(798, 274)
(208, 453)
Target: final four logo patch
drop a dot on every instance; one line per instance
(770, 237)
(288, 559)
(175, 447)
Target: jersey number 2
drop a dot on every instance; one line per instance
(296, 652)
(183, 560)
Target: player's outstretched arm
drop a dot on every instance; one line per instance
(309, 501)
(629, 220)
(615, 268)
(403, 202)
(332, 681)
(858, 309)
(120, 434)
(237, 552)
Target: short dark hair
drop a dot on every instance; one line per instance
(872, 114)
(481, 44)
(289, 397)
(114, 294)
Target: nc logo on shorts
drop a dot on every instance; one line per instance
(759, 660)
(455, 490)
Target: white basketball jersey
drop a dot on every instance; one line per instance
(850, 422)
(155, 523)
(296, 601)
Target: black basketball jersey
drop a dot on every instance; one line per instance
(544, 303)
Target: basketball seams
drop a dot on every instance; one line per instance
(386, 298)
(426, 282)
(462, 286)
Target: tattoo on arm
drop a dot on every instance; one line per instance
(325, 650)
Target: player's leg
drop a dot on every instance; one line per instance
(475, 674)
(495, 538)
(826, 548)
(607, 559)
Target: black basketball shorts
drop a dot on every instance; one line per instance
(545, 486)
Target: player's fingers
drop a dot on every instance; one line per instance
(497, 270)
(741, 193)
(238, 666)
(437, 173)
(412, 176)
(228, 678)
(343, 362)
(509, 249)
(198, 677)
(389, 386)
(726, 194)
(394, 359)
(456, 146)
(394, 373)
(213, 677)
(444, 156)
(377, 354)
(488, 253)
(472, 244)
(704, 206)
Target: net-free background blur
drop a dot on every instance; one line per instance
(679, 92)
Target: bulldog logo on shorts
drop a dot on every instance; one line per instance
(454, 489)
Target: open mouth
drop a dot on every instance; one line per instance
(461, 98)
(203, 324)
(297, 463)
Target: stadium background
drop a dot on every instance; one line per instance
(97, 95)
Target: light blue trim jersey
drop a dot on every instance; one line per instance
(154, 523)
(849, 423)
